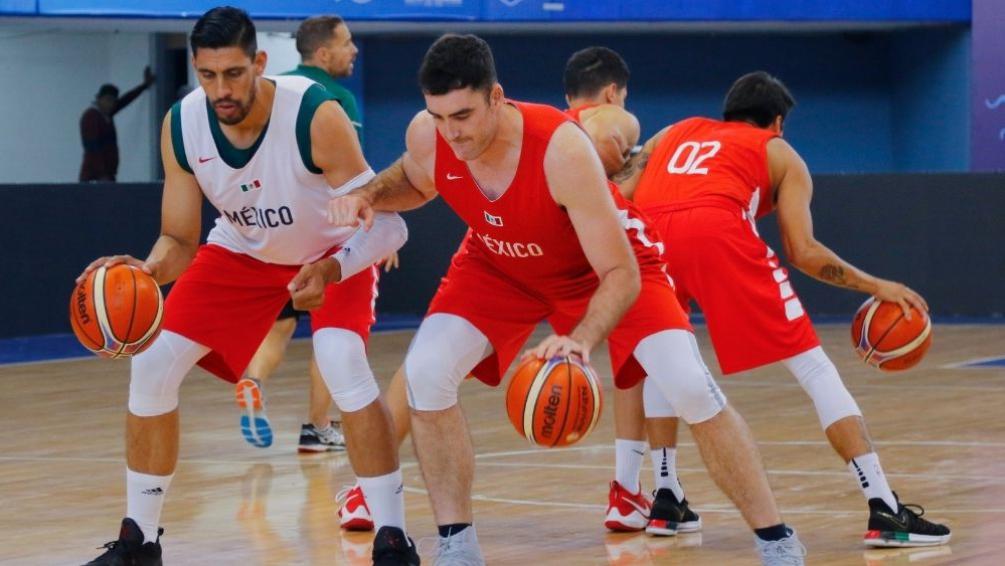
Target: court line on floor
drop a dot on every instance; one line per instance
(723, 510)
(740, 382)
(842, 473)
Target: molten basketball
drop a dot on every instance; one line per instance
(554, 402)
(116, 312)
(883, 338)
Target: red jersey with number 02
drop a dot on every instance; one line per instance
(524, 233)
(704, 160)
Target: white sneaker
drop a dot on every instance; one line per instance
(461, 549)
(784, 552)
(353, 512)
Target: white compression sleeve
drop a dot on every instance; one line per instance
(366, 248)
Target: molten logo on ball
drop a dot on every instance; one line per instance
(554, 402)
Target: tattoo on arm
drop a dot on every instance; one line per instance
(835, 275)
(636, 163)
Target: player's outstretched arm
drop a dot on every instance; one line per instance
(628, 178)
(181, 221)
(794, 190)
(405, 184)
(614, 132)
(577, 182)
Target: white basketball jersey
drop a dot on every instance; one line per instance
(272, 207)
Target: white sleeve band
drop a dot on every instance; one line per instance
(355, 183)
(366, 248)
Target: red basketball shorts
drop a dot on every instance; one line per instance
(228, 301)
(717, 258)
(507, 312)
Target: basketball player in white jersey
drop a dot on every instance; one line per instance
(268, 153)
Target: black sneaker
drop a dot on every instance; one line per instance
(314, 440)
(903, 528)
(669, 516)
(392, 548)
(130, 550)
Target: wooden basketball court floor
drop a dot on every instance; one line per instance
(940, 433)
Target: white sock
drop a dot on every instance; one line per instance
(144, 500)
(628, 462)
(385, 497)
(871, 478)
(665, 470)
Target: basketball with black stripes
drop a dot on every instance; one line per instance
(116, 312)
(554, 402)
(884, 338)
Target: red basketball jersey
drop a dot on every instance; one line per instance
(524, 233)
(574, 113)
(702, 160)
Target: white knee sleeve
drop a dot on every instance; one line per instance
(673, 363)
(444, 351)
(341, 358)
(157, 373)
(656, 405)
(821, 381)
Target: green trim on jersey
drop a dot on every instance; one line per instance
(177, 142)
(314, 97)
(341, 94)
(234, 157)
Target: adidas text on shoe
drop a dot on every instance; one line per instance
(669, 516)
(626, 511)
(254, 422)
(904, 528)
(130, 549)
(353, 512)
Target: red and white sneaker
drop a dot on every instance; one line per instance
(353, 512)
(626, 511)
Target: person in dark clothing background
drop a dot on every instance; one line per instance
(97, 130)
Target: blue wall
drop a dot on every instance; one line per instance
(858, 111)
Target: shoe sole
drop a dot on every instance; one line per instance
(254, 423)
(885, 539)
(358, 524)
(319, 449)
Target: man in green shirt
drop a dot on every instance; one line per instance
(327, 52)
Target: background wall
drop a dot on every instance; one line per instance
(902, 227)
(868, 102)
(49, 78)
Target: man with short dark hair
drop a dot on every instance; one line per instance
(549, 239)
(704, 182)
(97, 130)
(267, 152)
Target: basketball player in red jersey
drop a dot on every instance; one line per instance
(704, 182)
(596, 87)
(548, 240)
(268, 152)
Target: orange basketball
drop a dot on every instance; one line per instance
(116, 311)
(554, 402)
(883, 338)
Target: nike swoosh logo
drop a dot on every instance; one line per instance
(639, 452)
(899, 520)
(453, 177)
(205, 159)
(638, 507)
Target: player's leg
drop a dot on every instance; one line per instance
(445, 350)
(250, 390)
(671, 513)
(320, 433)
(628, 508)
(341, 328)
(671, 359)
(890, 522)
(199, 326)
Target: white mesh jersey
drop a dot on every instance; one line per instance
(271, 198)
